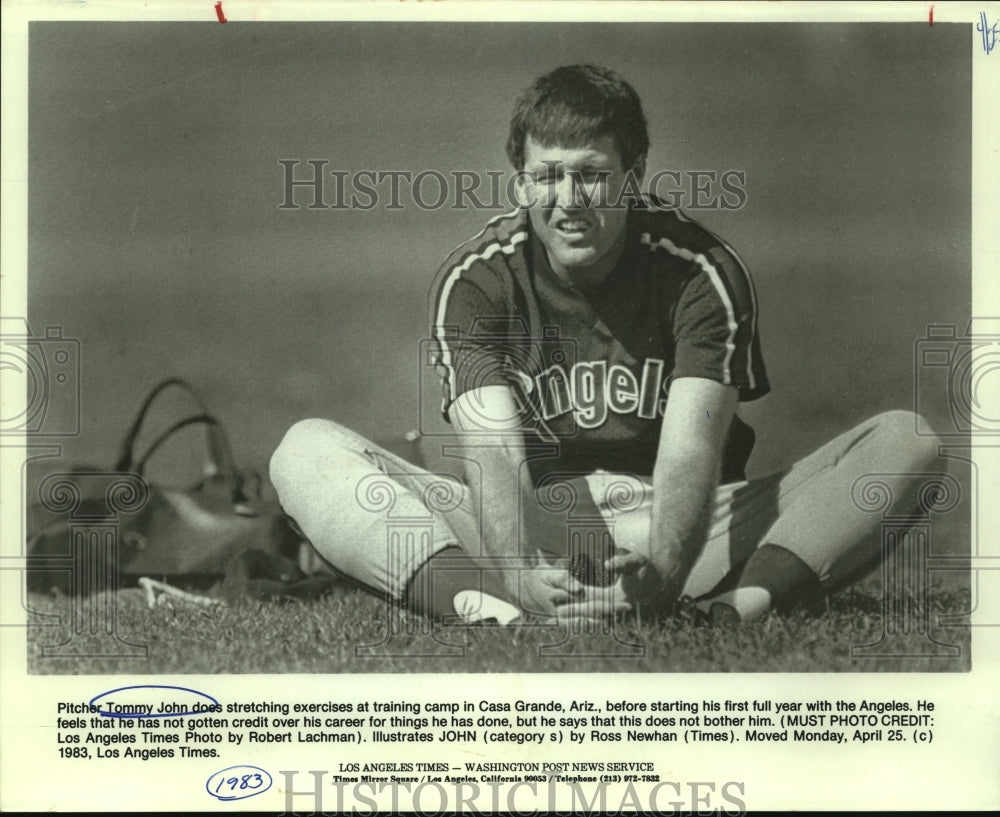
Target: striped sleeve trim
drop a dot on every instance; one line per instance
(718, 284)
(749, 285)
(501, 227)
(506, 245)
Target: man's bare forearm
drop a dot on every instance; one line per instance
(494, 480)
(496, 472)
(683, 494)
(687, 472)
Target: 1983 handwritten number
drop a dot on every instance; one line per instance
(238, 782)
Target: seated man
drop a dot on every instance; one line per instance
(597, 341)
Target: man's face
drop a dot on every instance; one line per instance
(575, 206)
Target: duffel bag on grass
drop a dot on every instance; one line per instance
(227, 532)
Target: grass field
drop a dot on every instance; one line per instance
(346, 632)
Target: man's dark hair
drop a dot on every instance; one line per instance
(576, 104)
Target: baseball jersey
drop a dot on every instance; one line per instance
(591, 370)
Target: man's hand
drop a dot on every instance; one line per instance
(633, 587)
(641, 585)
(544, 588)
(548, 589)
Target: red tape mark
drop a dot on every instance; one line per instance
(219, 13)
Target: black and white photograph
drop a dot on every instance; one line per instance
(506, 392)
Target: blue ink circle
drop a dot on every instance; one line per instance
(152, 715)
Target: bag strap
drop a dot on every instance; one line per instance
(204, 419)
(220, 457)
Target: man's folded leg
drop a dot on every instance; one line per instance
(348, 495)
(791, 536)
(805, 533)
(343, 491)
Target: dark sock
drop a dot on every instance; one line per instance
(788, 579)
(432, 589)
